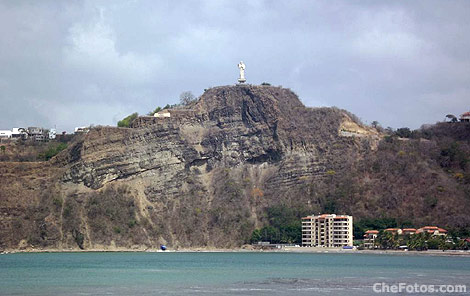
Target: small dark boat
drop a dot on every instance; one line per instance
(163, 247)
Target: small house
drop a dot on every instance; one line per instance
(5, 134)
(162, 113)
(465, 117)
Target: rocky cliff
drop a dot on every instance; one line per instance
(206, 176)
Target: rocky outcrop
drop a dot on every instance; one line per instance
(202, 177)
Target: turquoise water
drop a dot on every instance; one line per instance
(220, 273)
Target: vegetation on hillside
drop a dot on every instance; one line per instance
(361, 226)
(126, 122)
(187, 98)
(151, 113)
(284, 226)
(53, 150)
(32, 151)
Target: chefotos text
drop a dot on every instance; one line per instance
(417, 288)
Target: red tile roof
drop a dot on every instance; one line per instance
(372, 232)
(465, 114)
(431, 229)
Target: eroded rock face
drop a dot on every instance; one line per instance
(228, 127)
(203, 177)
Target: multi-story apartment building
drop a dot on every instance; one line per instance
(327, 230)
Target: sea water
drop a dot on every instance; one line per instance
(174, 273)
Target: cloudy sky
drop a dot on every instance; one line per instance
(76, 63)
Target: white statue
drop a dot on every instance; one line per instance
(241, 66)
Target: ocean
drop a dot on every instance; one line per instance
(237, 273)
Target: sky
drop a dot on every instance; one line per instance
(66, 64)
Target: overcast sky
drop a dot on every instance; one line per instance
(76, 63)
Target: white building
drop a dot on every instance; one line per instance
(19, 132)
(52, 133)
(82, 129)
(5, 134)
(163, 113)
(327, 230)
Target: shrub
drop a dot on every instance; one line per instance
(131, 223)
(151, 113)
(79, 238)
(126, 122)
(331, 172)
(403, 132)
(67, 212)
(53, 150)
(57, 201)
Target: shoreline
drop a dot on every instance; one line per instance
(295, 250)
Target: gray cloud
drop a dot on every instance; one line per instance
(93, 62)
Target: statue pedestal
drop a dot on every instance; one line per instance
(241, 80)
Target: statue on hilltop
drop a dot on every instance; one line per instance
(241, 66)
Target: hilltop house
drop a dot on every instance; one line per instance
(465, 117)
(52, 134)
(81, 130)
(36, 134)
(177, 112)
(163, 113)
(5, 134)
(18, 132)
(15, 134)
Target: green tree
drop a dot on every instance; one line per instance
(434, 243)
(3, 148)
(403, 132)
(387, 240)
(126, 122)
(52, 151)
(284, 226)
(154, 111)
(361, 226)
(417, 242)
(256, 236)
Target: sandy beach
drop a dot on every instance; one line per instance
(247, 248)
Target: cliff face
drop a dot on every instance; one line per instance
(203, 177)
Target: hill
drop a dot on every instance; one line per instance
(240, 158)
